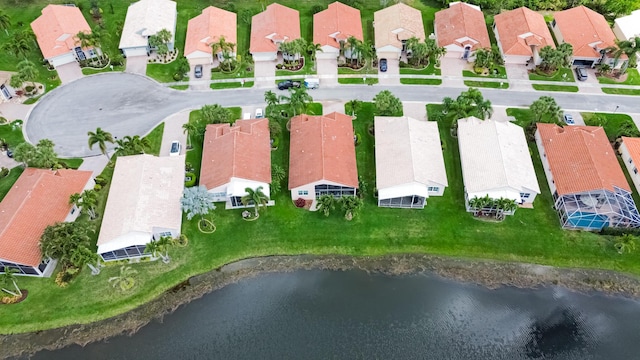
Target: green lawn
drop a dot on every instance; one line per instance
(563, 74)
(12, 134)
(243, 71)
(502, 73)
(72, 163)
(91, 71)
(412, 81)
(487, 84)
(180, 87)
(359, 81)
(231, 85)
(362, 71)
(617, 91)
(633, 78)
(612, 123)
(307, 69)
(7, 182)
(428, 70)
(155, 139)
(565, 88)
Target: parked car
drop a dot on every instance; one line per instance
(568, 118)
(198, 71)
(175, 148)
(581, 73)
(383, 65)
(10, 153)
(312, 83)
(259, 114)
(287, 84)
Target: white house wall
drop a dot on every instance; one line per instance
(200, 58)
(506, 193)
(388, 52)
(618, 32)
(65, 58)
(311, 189)
(328, 52)
(556, 32)
(264, 56)
(545, 163)
(632, 167)
(516, 59)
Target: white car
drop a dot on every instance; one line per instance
(175, 148)
(259, 113)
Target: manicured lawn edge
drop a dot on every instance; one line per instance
(412, 81)
(565, 88)
(487, 84)
(617, 91)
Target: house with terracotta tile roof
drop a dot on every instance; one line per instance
(333, 26)
(56, 31)
(144, 19)
(393, 26)
(322, 157)
(206, 29)
(520, 34)
(495, 161)
(630, 152)
(39, 198)
(461, 30)
(143, 205)
(270, 28)
(409, 162)
(235, 158)
(589, 34)
(589, 189)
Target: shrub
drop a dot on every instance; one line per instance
(97, 187)
(177, 77)
(619, 231)
(100, 181)
(356, 139)
(300, 202)
(4, 172)
(29, 88)
(478, 70)
(189, 179)
(275, 142)
(279, 66)
(316, 8)
(403, 64)
(3, 120)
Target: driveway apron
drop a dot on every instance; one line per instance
(137, 65)
(173, 131)
(265, 72)
(69, 72)
(451, 70)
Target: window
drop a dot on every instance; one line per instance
(553, 23)
(433, 189)
(303, 192)
(165, 233)
(524, 195)
(635, 170)
(630, 160)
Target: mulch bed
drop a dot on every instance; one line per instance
(24, 296)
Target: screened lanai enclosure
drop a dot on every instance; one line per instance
(405, 202)
(596, 209)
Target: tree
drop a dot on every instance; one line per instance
(353, 105)
(7, 278)
(277, 176)
(566, 52)
(16, 81)
(18, 47)
(40, 156)
(129, 145)
(101, 138)
(24, 153)
(87, 39)
(86, 202)
(312, 49)
(197, 201)
(298, 99)
(630, 48)
(387, 104)
(468, 103)
(27, 71)
(351, 205)
(353, 44)
(326, 203)
(226, 49)
(189, 128)
(245, 15)
(5, 21)
(62, 240)
(626, 243)
(125, 280)
(215, 114)
(256, 198)
(552, 58)
(160, 247)
(545, 106)
(483, 58)
(271, 98)
(81, 256)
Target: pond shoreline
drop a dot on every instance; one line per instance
(490, 274)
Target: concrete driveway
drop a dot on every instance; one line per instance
(265, 73)
(69, 72)
(203, 82)
(451, 70)
(12, 111)
(173, 131)
(328, 71)
(392, 75)
(515, 73)
(591, 84)
(137, 65)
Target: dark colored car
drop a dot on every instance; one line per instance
(9, 153)
(287, 84)
(581, 73)
(383, 65)
(198, 71)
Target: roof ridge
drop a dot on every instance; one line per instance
(598, 169)
(501, 147)
(411, 148)
(24, 200)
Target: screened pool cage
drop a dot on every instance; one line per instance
(406, 202)
(596, 209)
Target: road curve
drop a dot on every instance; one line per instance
(129, 104)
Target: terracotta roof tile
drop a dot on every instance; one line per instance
(277, 22)
(584, 28)
(338, 22)
(633, 146)
(396, 23)
(38, 199)
(56, 29)
(322, 148)
(241, 151)
(207, 28)
(581, 159)
(520, 28)
(461, 21)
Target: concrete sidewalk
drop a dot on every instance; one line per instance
(94, 164)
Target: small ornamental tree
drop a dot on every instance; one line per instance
(387, 104)
(326, 203)
(64, 240)
(197, 201)
(351, 205)
(8, 279)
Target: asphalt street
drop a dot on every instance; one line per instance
(129, 104)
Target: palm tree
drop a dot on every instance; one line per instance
(132, 145)
(18, 47)
(271, 98)
(160, 248)
(483, 58)
(75, 200)
(313, 49)
(27, 71)
(101, 138)
(352, 43)
(326, 203)
(86, 39)
(82, 256)
(298, 99)
(351, 205)
(256, 198)
(125, 280)
(5, 21)
(353, 105)
(9, 277)
(626, 243)
(189, 128)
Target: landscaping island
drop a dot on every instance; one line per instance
(490, 274)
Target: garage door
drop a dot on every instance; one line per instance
(588, 63)
(63, 59)
(137, 51)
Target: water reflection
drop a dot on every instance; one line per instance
(354, 315)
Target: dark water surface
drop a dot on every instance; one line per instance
(354, 315)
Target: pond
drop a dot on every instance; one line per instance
(314, 314)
